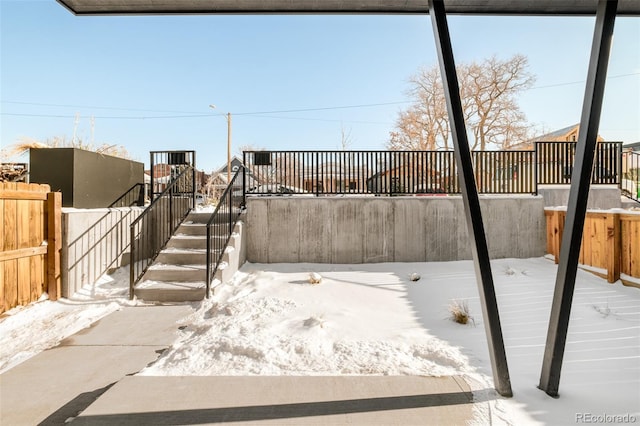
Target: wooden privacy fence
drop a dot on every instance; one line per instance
(30, 243)
(610, 243)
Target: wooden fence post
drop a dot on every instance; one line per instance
(54, 244)
(614, 247)
(558, 228)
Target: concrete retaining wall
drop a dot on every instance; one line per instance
(93, 241)
(381, 229)
(600, 196)
(235, 255)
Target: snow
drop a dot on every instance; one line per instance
(372, 319)
(26, 331)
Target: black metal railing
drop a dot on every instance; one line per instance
(151, 231)
(630, 185)
(166, 165)
(420, 172)
(220, 225)
(504, 172)
(133, 197)
(554, 163)
(350, 172)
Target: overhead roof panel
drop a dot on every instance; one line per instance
(473, 7)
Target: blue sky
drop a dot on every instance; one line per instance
(148, 80)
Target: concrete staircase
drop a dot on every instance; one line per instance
(179, 272)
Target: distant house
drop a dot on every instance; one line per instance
(631, 170)
(218, 180)
(567, 134)
(412, 177)
(558, 160)
(632, 147)
(236, 163)
(335, 177)
(163, 173)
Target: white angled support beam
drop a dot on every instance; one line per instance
(471, 200)
(578, 196)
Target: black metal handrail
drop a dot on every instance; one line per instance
(220, 225)
(630, 185)
(151, 231)
(133, 197)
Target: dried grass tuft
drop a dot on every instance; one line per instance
(24, 144)
(459, 311)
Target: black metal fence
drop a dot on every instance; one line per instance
(220, 225)
(554, 163)
(151, 231)
(504, 172)
(166, 166)
(631, 175)
(419, 172)
(349, 172)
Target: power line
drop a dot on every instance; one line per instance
(253, 115)
(96, 107)
(124, 117)
(318, 119)
(323, 108)
(192, 114)
(581, 81)
(199, 114)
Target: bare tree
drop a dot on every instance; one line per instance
(247, 147)
(488, 91)
(345, 138)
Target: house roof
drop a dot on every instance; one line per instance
(223, 168)
(634, 146)
(555, 134)
(486, 7)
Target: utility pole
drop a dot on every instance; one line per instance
(228, 144)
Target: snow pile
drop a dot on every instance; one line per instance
(267, 323)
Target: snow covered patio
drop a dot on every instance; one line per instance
(373, 320)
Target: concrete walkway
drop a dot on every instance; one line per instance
(89, 380)
(283, 400)
(61, 382)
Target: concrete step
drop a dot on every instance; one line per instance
(197, 218)
(179, 272)
(176, 256)
(170, 291)
(196, 229)
(175, 273)
(191, 242)
(188, 242)
(192, 229)
(203, 218)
